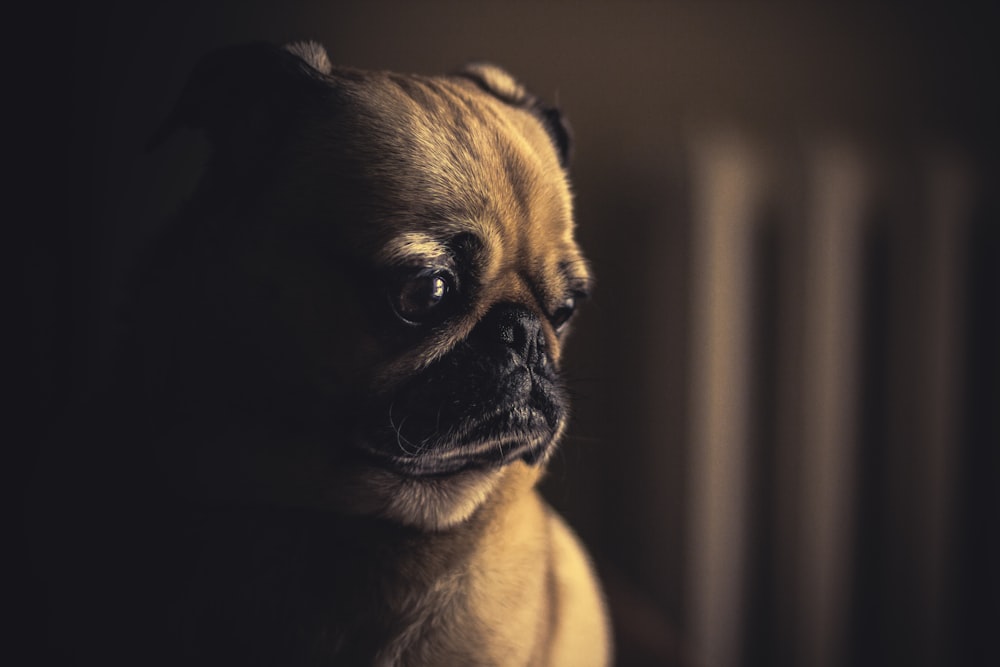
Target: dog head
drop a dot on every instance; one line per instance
(374, 279)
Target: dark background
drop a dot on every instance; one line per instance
(640, 83)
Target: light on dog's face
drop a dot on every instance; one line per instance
(472, 223)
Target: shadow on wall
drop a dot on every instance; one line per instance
(785, 388)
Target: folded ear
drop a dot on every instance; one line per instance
(502, 85)
(238, 92)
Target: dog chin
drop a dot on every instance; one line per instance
(432, 502)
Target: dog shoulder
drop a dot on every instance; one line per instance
(532, 584)
(581, 635)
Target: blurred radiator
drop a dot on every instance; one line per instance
(825, 328)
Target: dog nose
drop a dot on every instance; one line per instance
(515, 328)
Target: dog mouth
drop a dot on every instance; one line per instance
(437, 425)
(521, 432)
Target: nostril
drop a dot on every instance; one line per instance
(540, 341)
(540, 348)
(514, 333)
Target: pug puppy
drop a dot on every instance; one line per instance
(344, 357)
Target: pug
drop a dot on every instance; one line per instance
(344, 359)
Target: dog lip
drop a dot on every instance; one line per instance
(484, 455)
(474, 408)
(491, 441)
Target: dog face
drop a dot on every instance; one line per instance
(380, 268)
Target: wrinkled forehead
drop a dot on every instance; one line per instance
(448, 158)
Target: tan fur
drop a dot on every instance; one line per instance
(477, 569)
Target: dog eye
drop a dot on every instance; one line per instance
(420, 296)
(561, 315)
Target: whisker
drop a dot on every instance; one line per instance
(400, 438)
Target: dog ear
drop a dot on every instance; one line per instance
(236, 93)
(502, 85)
